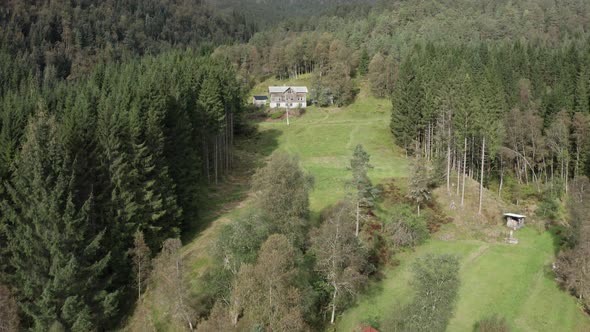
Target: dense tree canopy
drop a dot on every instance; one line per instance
(114, 115)
(100, 159)
(63, 39)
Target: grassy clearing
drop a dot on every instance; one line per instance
(219, 206)
(512, 281)
(324, 139)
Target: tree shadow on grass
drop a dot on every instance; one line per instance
(557, 235)
(216, 200)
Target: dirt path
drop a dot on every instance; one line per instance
(198, 247)
(476, 254)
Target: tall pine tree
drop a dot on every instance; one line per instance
(56, 256)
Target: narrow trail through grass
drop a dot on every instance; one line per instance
(496, 278)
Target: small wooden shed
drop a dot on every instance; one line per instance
(514, 221)
(259, 100)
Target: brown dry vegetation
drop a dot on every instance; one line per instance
(467, 223)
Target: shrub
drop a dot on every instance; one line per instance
(277, 115)
(548, 209)
(572, 263)
(492, 324)
(436, 283)
(549, 206)
(297, 111)
(406, 229)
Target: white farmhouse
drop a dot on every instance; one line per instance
(288, 96)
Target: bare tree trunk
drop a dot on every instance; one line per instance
(431, 145)
(449, 166)
(472, 154)
(577, 169)
(526, 172)
(518, 168)
(458, 162)
(567, 168)
(464, 172)
(428, 142)
(483, 151)
(215, 158)
(546, 168)
(358, 217)
(207, 161)
(501, 177)
(334, 305)
(139, 282)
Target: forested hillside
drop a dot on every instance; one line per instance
(64, 39)
(355, 40)
(109, 131)
(495, 91)
(118, 119)
(269, 12)
(87, 165)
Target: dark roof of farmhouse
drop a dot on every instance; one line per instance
(283, 89)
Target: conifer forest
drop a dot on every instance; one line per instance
(141, 189)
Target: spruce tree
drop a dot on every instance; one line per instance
(366, 193)
(211, 104)
(582, 93)
(407, 106)
(364, 62)
(156, 214)
(420, 184)
(57, 258)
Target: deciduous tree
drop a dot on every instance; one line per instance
(141, 256)
(282, 193)
(173, 290)
(340, 257)
(436, 283)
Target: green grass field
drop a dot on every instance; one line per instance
(324, 140)
(512, 281)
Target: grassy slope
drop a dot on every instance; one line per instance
(513, 281)
(496, 278)
(325, 138)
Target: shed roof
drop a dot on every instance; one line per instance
(514, 215)
(282, 89)
(260, 98)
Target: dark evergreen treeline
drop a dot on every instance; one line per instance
(510, 110)
(87, 164)
(63, 39)
(359, 39)
(298, 45)
(270, 12)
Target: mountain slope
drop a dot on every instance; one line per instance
(265, 12)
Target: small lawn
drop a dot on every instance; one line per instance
(514, 281)
(324, 139)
